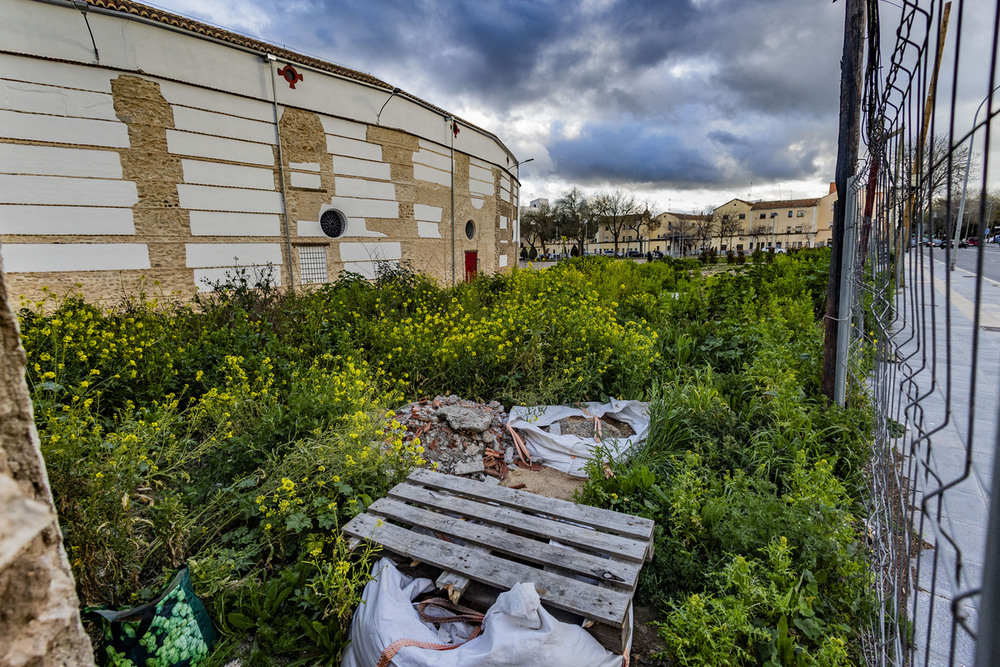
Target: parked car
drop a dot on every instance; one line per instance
(972, 241)
(964, 243)
(635, 253)
(945, 243)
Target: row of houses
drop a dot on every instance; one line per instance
(737, 225)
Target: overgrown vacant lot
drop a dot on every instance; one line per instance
(238, 434)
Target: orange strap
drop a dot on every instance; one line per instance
(392, 649)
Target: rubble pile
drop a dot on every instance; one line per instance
(463, 437)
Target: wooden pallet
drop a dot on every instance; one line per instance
(582, 560)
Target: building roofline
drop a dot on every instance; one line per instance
(138, 11)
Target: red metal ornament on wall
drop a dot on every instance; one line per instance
(290, 75)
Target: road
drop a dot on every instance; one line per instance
(967, 259)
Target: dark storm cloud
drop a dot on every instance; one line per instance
(631, 153)
(636, 74)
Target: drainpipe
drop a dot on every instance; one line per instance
(451, 131)
(281, 170)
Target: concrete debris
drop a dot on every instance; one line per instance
(462, 437)
(466, 419)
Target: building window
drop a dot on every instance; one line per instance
(333, 223)
(739, 246)
(763, 216)
(312, 264)
(798, 230)
(800, 214)
(743, 216)
(470, 230)
(789, 214)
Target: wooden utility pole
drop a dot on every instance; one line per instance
(847, 157)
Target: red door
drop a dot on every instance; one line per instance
(471, 264)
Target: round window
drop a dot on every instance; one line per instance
(333, 223)
(470, 230)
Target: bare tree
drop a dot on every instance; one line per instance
(538, 225)
(935, 172)
(704, 227)
(614, 210)
(643, 223)
(728, 226)
(577, 218)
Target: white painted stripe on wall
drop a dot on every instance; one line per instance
(57, 74)
(480, 187)
(210, 100)
(424, 173)
(204, 277)
(428, 230)
(504, 195)
(214, 223)
(477, 202)
(424, 144)
(353, 187)
(211, 198)
(480, 163)
(355, 228)
(349, 166)
(37, 98)
(366, 208)
(503, 222)
(39, 257)
(59, 129)
(370, 252)
(300, 180)
(209, 122)
(427, 213)
(65, 220)
(304, 166)
(353, 148)
(234, 150)
(56, 161)
(480, 173)
(200, 255)
(66, 190)
(502, 261)
(365, 269)
(344, 128)
(431, 159)
(218, 173)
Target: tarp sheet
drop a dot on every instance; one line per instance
(543, 437)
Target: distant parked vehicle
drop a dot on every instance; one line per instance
(943, 243)
(964, 243)
(972, 241)
(635, 253)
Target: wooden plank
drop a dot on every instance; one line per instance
(621, 575)
(612, 637)
(576, 536)
(561, 592)
(595, 517)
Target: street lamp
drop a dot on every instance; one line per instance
(965, 185)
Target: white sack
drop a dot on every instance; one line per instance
(517, 630)
(569, 453)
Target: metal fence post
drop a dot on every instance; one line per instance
(846, 292)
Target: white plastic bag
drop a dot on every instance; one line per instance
(517, 631)
(569, 453)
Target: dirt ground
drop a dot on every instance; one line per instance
(545, 482)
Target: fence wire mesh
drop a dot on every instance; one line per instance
(925, 327)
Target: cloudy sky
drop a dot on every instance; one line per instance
(687, 103)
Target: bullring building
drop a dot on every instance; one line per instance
(138, 147)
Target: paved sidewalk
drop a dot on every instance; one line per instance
(952, 431)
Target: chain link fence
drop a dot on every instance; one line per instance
(924, 322)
